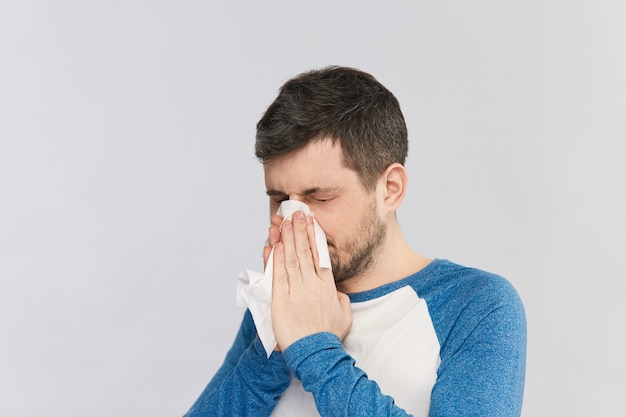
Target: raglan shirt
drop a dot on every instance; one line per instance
(446, 341)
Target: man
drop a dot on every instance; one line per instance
(385, 332)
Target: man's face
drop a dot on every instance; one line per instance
(346, 211)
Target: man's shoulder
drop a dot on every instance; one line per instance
(455, 292)
(441, 281)
(463, 301)
(443, 278)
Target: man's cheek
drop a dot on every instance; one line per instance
(333, 252)
(334, 259)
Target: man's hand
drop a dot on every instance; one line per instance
(305, 299)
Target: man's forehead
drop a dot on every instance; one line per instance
(319, 167)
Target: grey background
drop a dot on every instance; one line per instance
(130, 197)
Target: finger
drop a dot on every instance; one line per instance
(266, 254)
(310, 229)
(291, 264)
(303, 246)
(273, 238)
(280, 281)
(325, 274)
(274, 235)
(276, 220)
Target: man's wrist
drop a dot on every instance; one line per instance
(309, 346)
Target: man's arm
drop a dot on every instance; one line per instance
(247, 383)
(339, 387)
(483, 363)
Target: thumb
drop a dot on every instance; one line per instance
(344, 304)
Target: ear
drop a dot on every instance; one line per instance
(392, 185)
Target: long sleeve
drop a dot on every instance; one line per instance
(248, 383)
(483, 364)
(338, 386)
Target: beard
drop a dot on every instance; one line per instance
(358, 255)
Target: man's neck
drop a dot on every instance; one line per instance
(394, 261)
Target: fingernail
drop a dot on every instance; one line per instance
(298, 216)
(309, 219)
(287, 226)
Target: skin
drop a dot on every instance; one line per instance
(306, 299)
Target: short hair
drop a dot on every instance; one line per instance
(341, 104)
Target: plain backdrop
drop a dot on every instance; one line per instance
(130, 197)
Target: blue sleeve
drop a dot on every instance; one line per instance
(483, 358)
(339, 387)
(248, 383)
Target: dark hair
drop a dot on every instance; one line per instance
(341, 104)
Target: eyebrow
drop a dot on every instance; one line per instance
(274, 193)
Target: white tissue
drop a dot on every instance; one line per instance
(254, 289)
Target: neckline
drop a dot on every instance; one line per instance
(359, 297)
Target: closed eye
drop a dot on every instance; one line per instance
(322, 200)
(279, 200)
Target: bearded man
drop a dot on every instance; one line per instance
(384, 331)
